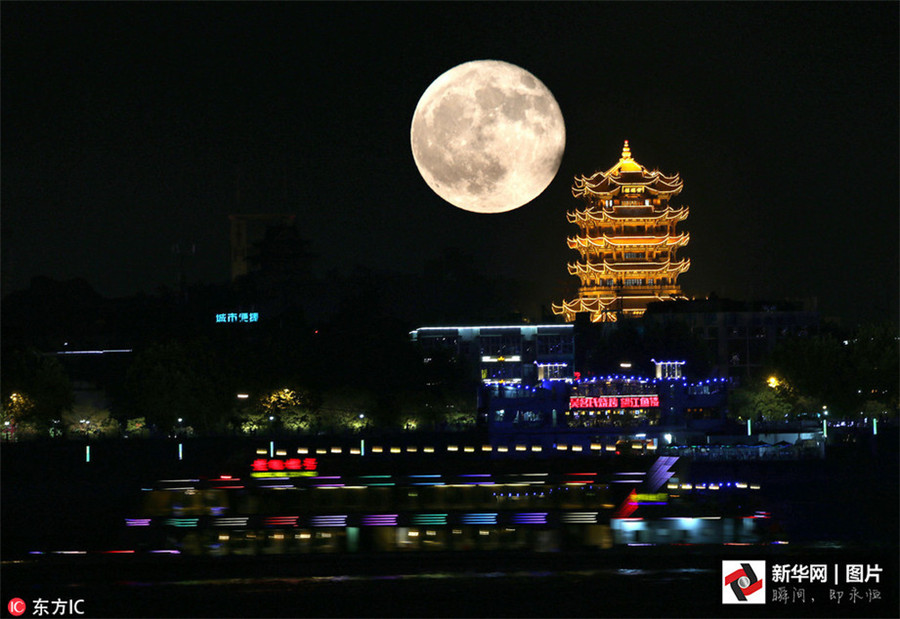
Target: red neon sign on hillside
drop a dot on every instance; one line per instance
(612, 401)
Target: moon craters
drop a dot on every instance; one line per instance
(487, 136)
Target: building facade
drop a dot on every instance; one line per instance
(739, 334)
(627, 242)
(517, 355)
(603, 413)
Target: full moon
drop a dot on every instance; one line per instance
(487, 136)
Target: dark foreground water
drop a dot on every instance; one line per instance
(655, 583)
(54, 500)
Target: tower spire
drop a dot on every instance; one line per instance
(626, 152)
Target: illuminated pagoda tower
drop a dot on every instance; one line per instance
(626, 240)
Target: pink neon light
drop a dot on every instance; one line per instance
(650, 401)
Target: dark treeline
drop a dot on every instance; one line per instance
(283, 350)
(309, 352)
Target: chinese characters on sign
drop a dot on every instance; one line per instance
(237, 317)
(45, 608)
(834, 574)
(802, 583)
(853, 573)
(289, 467)
(628, 401)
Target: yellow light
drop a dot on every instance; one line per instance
(657, 497)
(773, 382)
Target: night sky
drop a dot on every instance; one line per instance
(128, 128)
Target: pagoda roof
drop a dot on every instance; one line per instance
(679, 240)
(609, 267)
(626, 173)
(598, 214)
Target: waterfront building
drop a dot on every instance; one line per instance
(627, 241)
(605, 413)
(739, 334)
(509, 355)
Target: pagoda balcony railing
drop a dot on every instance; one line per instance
(669, 267)
(595, 215)
(608, 292)
(606, 241)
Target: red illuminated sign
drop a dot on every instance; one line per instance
(614, 401)
(290, 464)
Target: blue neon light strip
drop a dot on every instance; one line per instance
(530, 518)
(329, 521)
(480, 518)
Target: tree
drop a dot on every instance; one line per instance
(35, 390)
(874, 360)
(284, 409)
(89, 421)
(759, 403)
(173, 381)
(849, 376)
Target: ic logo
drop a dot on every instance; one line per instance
(16, 607)
(743, 582)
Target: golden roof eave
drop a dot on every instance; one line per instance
(626, 173)
(598, 215)
(578, 242)
(605, 267)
